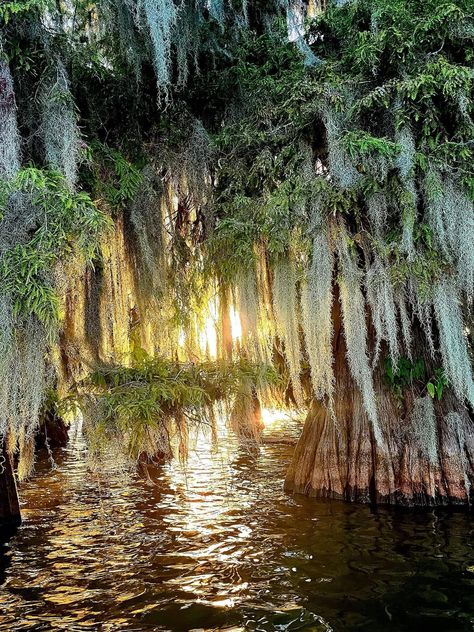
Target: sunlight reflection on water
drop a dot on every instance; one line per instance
(218, 545)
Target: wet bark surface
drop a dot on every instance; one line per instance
(338, 457)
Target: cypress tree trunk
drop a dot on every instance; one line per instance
(9, 503)
(341, 459)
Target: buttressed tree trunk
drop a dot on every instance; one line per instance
(417, 462)
(9, 503)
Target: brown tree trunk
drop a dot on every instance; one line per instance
(338, 457)
(9, 503)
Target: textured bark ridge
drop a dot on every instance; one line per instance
(341, 459)
(9, 503)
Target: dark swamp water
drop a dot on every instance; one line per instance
(219, 545)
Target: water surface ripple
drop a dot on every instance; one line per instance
(219, 545)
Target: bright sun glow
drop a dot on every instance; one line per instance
(273, 417)
(208, 335)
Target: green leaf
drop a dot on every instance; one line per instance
(431, 389)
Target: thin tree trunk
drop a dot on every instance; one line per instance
(9, 503)
(338, 457)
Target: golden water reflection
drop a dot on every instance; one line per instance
(216, 544)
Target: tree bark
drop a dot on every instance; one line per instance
(9, 503)
(338, 457)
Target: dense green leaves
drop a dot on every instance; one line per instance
(154, 395)
(63, 223)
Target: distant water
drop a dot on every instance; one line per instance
(219, 545)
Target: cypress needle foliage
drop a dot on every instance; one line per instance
(139, 409)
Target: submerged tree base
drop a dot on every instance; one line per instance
(425, 456)
(329, 462)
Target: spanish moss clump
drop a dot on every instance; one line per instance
(316, 301)
(341, 166)
(26, 455)
(459, 234)
(422, 309)
(10, 138)
(450, 214)
(435, 207)
(453, 341)
(6, 359)
(245, 418)
(121, 15)
(424, 428)
(159, 18)
(59, 128)
(24, 382)
(287, 317)
(41, 219)
(266, 321)
(405, 323)
(248, 304)
(381, 297)
(188, 162)
(405, 160)
(146, 217)
(409, 198)
(377, 208)
(355, 329)
(188, 26)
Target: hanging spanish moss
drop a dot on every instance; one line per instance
(59, 128)
(287, 317)
(158, 17)
(377, 208)
(248, 305)
(10, 145)
(146, 217)
(405, 160)
(316, 300)
(355, 329)
(24, 385)
(453, 341)
(405, 323)
(340, 163)
(381, 298)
